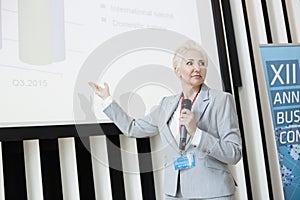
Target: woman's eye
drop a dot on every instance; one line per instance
(201, 63)
(189, 63)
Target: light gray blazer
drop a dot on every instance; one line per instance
(220, 143)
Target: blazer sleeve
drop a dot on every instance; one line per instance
(226, 148)
(138, 128)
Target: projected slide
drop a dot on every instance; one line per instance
(0, 26)
(51, 48)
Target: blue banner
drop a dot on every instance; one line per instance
(282, 74)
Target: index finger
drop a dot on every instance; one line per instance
(93, 85)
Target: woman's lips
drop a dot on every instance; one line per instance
(197, 76)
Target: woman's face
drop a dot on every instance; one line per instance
(193, 68)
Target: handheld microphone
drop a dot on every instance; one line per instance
(186, 104)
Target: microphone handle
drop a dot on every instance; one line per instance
(183, 134)
(186, 104)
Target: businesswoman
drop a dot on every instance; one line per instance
(213, 141)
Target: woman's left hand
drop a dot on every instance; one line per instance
(187, 119)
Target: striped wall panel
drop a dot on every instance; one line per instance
(264, 22)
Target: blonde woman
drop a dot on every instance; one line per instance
(213, 141)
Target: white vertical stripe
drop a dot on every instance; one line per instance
(258, 36)
(277, 22)
(131, 170)
(33, 170)
(238, 174)
(256, 23)
(158, 165)
(209, 43)
(288, 73)
(294, 74)
(68, 165)
(293, 8)
(2, 193)
(100, 168)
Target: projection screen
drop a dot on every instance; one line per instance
(50, 49)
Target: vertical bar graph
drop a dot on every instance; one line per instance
(58, 31)
(41, 31)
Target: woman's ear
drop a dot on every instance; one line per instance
(177, 71)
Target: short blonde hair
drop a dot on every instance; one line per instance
(186, 46)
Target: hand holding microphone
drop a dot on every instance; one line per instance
(187, 123)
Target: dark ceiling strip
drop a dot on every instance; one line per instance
(219, 32)
(267, 21)
(231, 42)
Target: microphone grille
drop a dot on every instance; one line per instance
(186, 104)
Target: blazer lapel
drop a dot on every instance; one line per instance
(172, 105)
(200, 106)
(202, 102)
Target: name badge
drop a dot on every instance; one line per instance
(184, 162)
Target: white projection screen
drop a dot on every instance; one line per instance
(50, 49)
